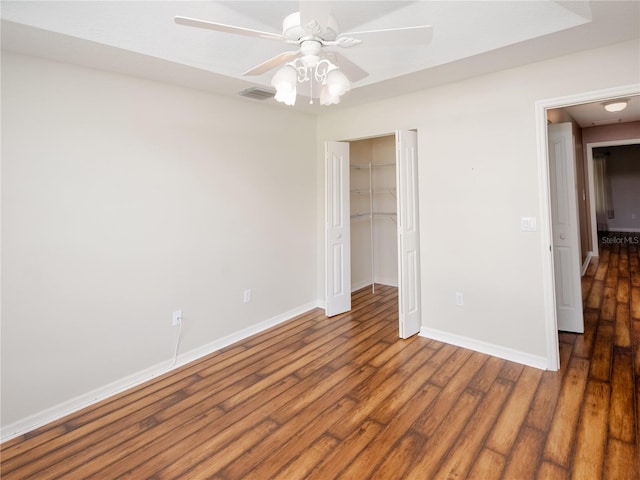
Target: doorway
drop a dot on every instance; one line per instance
(384, 189)
(595, 223)
(546, 197)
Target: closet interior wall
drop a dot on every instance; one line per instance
(374, 243)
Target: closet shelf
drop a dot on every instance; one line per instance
(358, 217)
(375, 191)
(361, 166)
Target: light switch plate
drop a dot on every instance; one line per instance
(528, 224)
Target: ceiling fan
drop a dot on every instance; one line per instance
(313, 30)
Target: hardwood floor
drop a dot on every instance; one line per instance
(319, 398)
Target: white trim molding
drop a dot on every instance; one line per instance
(592, 183)
(624, 230)
(82, 401)
(541, 107)
(586, 263)
(484, 347)
(357, 286)
(367, 283)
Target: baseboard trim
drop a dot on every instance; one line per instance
(390, 282)
(200, 352)
(56, 412)
(357, 286)
(484, 347)
(585, 265)
(623, 230)
(383, 281)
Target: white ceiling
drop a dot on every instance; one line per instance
(594, 114)
(470, 38)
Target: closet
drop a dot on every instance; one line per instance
(374, 243)
(372, 227)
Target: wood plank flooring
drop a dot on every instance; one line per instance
(318, 398)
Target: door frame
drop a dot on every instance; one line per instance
(592, 185)
(398, 184)
(548, 280)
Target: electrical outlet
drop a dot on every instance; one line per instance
(247, 296)
(459, 299)
(176, 320)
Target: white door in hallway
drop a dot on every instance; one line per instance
(565, 228)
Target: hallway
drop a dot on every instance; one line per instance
(611, 353)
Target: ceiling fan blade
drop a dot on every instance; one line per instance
(220, 27)
(315, 11)
(350, 69)
(419, 35)
(272, 63)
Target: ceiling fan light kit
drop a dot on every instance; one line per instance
(313, 29)
(334, 83)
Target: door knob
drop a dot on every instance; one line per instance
(339, 235)
(563, 236)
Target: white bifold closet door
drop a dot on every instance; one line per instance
(338, 229)
(408, 233)
(338, 240)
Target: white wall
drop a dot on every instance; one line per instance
(123, 200)
(478, 175)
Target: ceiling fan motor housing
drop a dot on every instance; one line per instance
(293, 31)
(310, 47)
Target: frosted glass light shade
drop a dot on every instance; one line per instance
(284, 81)
(328, 98)
(337, 82)
(615, 106)
(335, 85)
